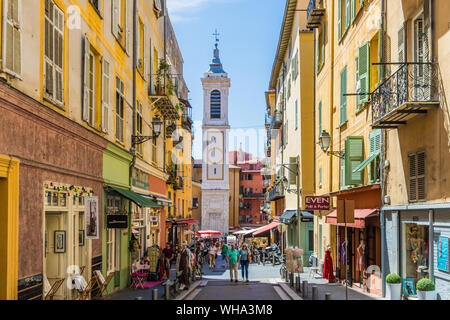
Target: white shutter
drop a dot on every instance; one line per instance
(151, 84)
(401, 45)
(115, 14)
(12, 37)
(59, 54)
(105, 94)
(86, 49)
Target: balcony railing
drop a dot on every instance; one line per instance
(410, 91)
(164, 97)
(276, 192)
(252, 195)
(314, 13)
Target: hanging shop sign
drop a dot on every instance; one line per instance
(117, 221)
(442, 254)
(91, 217)
(346, 211)
(317, 203)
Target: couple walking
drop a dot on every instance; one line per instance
(235, 257)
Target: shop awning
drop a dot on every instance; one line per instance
(360, 218)
(288, 217)
(268, 227)
(136, 198)
(366, 162)
(163, 201)
(187, 221)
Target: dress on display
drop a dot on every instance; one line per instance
(328, 267)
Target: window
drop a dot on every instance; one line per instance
(320, 118)
(296, 114)
(401, 44)
(154, 150)
(120, 104)
(195, 203)
(417, 176)
(141, 63)
(120, 25)
(89, 84)
(354, 155)
(343, 109)
(215, 104)
(12, 37)
(320, 54)
(105, 94)
(169, 208)
(54, 53)
(320, 177)
(375, 148)
(363, 72)
(139, 124)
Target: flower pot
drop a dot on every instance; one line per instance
(426, 295)
(394, 291)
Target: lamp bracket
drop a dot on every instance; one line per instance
(141, 139)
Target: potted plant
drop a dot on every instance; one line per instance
(163, 69)
(394, 285)
(426, 289)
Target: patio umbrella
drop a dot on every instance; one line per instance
(208, 233)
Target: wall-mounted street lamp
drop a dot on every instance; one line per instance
(324, 143)
(156, 125)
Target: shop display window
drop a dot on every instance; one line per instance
(415, 251)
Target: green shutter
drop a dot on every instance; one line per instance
(293, 168)
(347, 13)
(375, 146)
(353, 10)
(343, 98)
(354, 155)
(358, 97)
(340, 19)
(320, 177)
(364, 71)
(318, 54)
(320, 118)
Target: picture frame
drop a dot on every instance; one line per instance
(409, 287)
(60, 241)
(442, 254)
(91, 219)
(81, 238)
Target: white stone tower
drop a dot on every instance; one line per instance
(215, 178)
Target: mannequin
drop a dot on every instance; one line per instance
(361, 252)
(328, 272)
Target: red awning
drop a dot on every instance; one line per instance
(188, 221)
(360, 218)
(268, 227)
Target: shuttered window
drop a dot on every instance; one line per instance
(296, 114)
(347, 14)
(339, 29)
(401, 45)
(343, 109)
(120, 111)
(215, 104)
(320, 118)
(120, 26)
(363, 72)
(139, 124)
(320, 177)
(375, 147)
(54, 53)
(12, 37)
(417, 191)
(293, 169)
(106, 102)
(354, 155)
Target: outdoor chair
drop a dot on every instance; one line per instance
(102, 283)
(55, 287)
(86, 294)
(82, 270)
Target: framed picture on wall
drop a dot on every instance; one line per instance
(81, 238)
(60, 241)
(91, 217)
(442, 254)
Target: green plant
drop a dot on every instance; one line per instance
(169, 86)
(393, 278)
(425, 285)
(163, 69)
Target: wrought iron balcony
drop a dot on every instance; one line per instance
(411, 90)
(164, 98)
(277, 192)
(314, 13)
(276, 120)
(252, 195)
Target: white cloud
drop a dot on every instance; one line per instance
(185, 10)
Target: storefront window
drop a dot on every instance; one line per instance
(415, 251)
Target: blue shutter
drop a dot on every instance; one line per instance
(364, 71)
(375, 146)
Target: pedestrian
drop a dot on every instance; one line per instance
(224, 252)
(244, 258)
(168, 255)
(212, 256)
(233, 258)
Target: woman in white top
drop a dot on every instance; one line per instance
(212, 256)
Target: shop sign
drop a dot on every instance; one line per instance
(153, 218)
(116, 221)
(346, 211)
(317, 203)
(91, 217)
(442, 254)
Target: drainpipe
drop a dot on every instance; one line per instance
(165, 58)
(382, 180)
(330, 178)
(431, 244)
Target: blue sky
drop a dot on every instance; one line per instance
(249, 31)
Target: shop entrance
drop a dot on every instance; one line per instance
(55, 255)
(415, 255)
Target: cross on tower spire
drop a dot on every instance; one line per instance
(216, 34)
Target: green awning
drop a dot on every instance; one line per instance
(366, 162)
(139, 200)
(288, 216)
